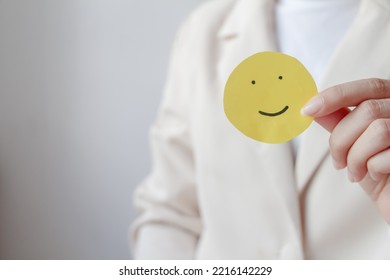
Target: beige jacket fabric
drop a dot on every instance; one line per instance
(214, 193)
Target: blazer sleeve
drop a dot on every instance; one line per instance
(168, 222)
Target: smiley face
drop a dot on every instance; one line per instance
(264, 95)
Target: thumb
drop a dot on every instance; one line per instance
(330, 121)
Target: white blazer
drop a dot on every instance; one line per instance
(214, 193)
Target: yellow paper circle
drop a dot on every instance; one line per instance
(264, 96)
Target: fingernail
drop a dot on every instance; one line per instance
(373, 176)
(313, 106)
(376, 177)
(337, 164)
(351, 177)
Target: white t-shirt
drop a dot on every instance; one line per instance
(311, 30)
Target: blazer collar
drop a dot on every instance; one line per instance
(244, 15)
(363, 53)
(248, 29)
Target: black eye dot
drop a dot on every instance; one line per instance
(280, 77)
(253, 82)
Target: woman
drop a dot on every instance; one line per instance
(213, 193)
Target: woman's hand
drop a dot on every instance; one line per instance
(360, 137)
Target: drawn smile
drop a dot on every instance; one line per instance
(274, 114)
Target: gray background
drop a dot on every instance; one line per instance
(80, 82)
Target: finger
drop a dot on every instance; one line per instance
(352, 126)
(379, 165)
(379, 191)
(346, 95)
(375, 139)
(330, 121)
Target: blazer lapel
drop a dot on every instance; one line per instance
(247, 30)
(364, 53)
